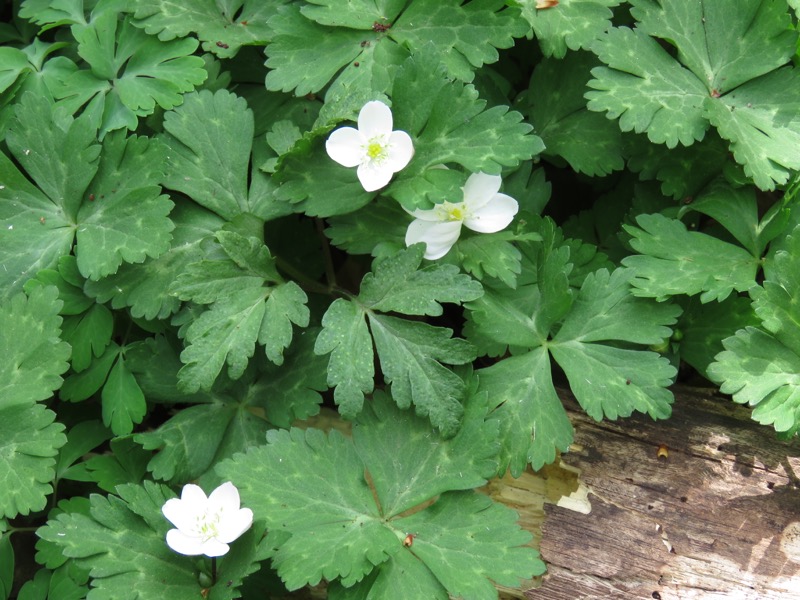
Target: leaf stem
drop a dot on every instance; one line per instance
(213, 571)
(302, 279)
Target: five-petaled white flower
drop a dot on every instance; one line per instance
(206, 525)
(483, 210)
(374, 148)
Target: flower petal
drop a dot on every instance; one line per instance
(373, 176)
(374, 119)
(434, 214)
(401, 150)
(438, 237)
(184, 544)
(225, 497)
(346, 146)
(234, 524)
(183, 512)
(479, 189)
(496, 215)
(214, 547)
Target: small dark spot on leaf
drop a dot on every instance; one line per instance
(223, 45)
(356, 64)
(380, 27)
(715, 94)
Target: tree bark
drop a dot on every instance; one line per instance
(705, 505)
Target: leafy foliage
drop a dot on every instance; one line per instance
(333, 507)
(30, 372)
(189, 284)
(759, 365)
(411, 353)
(711, 82)
(119, 530)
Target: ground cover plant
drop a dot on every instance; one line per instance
(217, 216)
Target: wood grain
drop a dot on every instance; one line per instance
(713, 519)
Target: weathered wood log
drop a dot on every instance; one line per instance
(705, 505)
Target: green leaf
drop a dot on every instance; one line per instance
(29, 441)
(298, 41)
(106, 238)
(327, 523)
(209, 139)
(145, 287)
(758, 118)
(589, 142)
(613, 382)
(325, 191)
(411, 353)
(450, 124)
(80, 386)
(736, 210)
(44, 12)
(774, 303)
(732, 86)
(131, 72)
(89, 334)
(759, 370)
(346, 338)
(402, 576)
(225, 333)
(702, 35)
(30, 371)
(382, 433)
(286, 304)
(329, 508)
(126, 463)
(123, 400)
(411, 356)
(59, 153)
(398, 286)
(378, 228)
(571, 24)
(450, 540)
(683, 171)
(704, 326)
(194, 440)
(356, 14)
(490, 255)
(604, 309)
(465, 36)
(647, 90)
(676, 261)
(122, 544)
(462, 38)
(126, 218)
(222, 29)
(292, 391)
(81, 439)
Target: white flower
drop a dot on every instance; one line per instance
(206, 525)
(483, 210)
(374, 148)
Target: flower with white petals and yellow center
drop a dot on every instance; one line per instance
(206, 525)
(483, 209)
(374, 148)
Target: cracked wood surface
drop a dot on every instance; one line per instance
(718, 517)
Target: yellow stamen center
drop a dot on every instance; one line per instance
(374, 150)
(455, 212)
